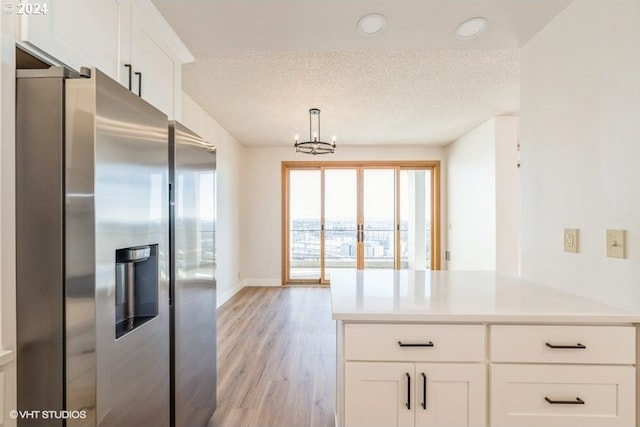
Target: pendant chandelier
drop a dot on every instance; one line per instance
(315, 145)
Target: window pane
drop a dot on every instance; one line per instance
(379, 215)
(341, 204)
(304, 224)
(415, 219)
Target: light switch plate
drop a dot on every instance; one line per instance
(571, 240)
(615, 243)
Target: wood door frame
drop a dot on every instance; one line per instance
(287, 166)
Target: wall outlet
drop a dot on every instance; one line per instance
(615, 243)
(447, 256)
(571, 240)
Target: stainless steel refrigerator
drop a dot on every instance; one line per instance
(192, 179)
(92, 213)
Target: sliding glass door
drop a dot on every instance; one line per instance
(340, 218)
(304, 226)
(349, 215)
(415, 219)
(379, 218)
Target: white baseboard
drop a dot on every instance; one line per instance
(229, 293)
(261, 282)
(225, 296)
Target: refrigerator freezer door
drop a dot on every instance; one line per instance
(116, 198)
(193, 183)
(40, 243)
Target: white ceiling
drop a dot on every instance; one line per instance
(260, 65)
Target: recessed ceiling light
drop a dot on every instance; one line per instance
(372, 24)
(471, 28)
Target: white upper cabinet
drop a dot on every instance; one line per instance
(77, 33)
(128, 40)
(154, 70)
(151, 56)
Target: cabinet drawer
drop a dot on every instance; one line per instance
(605, 396)
(411, 342)
(548, 344)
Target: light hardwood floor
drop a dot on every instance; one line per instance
(276, 359)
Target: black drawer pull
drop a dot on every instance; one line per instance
(409, 344)
(578, 346)
(408, 391)
(129, 68)
(578, 401)
(139, 74)
(424, 391)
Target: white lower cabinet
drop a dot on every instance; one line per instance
(562, 376)
(562, 396)
(474, 375)
(376, 394)
(390, 394)
(558, 344)
(451, 395)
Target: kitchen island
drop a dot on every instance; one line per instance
(477, 349)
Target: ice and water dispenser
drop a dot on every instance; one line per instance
(136, 287)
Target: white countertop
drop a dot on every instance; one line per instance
(459, 296)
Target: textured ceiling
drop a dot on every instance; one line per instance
(365, 98)
(260, 65)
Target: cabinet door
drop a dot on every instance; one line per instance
(78, 33)
(377, 394)
(155, 83)
(450, 395)
(562, 395)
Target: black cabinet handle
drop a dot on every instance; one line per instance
(408, 391)
(139, 74)
(424, 391)
(129, 68)
(578, 401)
(409, 344)
(578, 346)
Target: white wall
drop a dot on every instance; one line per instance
(484, 198)
(230, 166)
(262, 202)
(508, 197)
(580, 117)
(471, 196)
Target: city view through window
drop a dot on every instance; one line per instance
(340, 244)
(378, 213)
